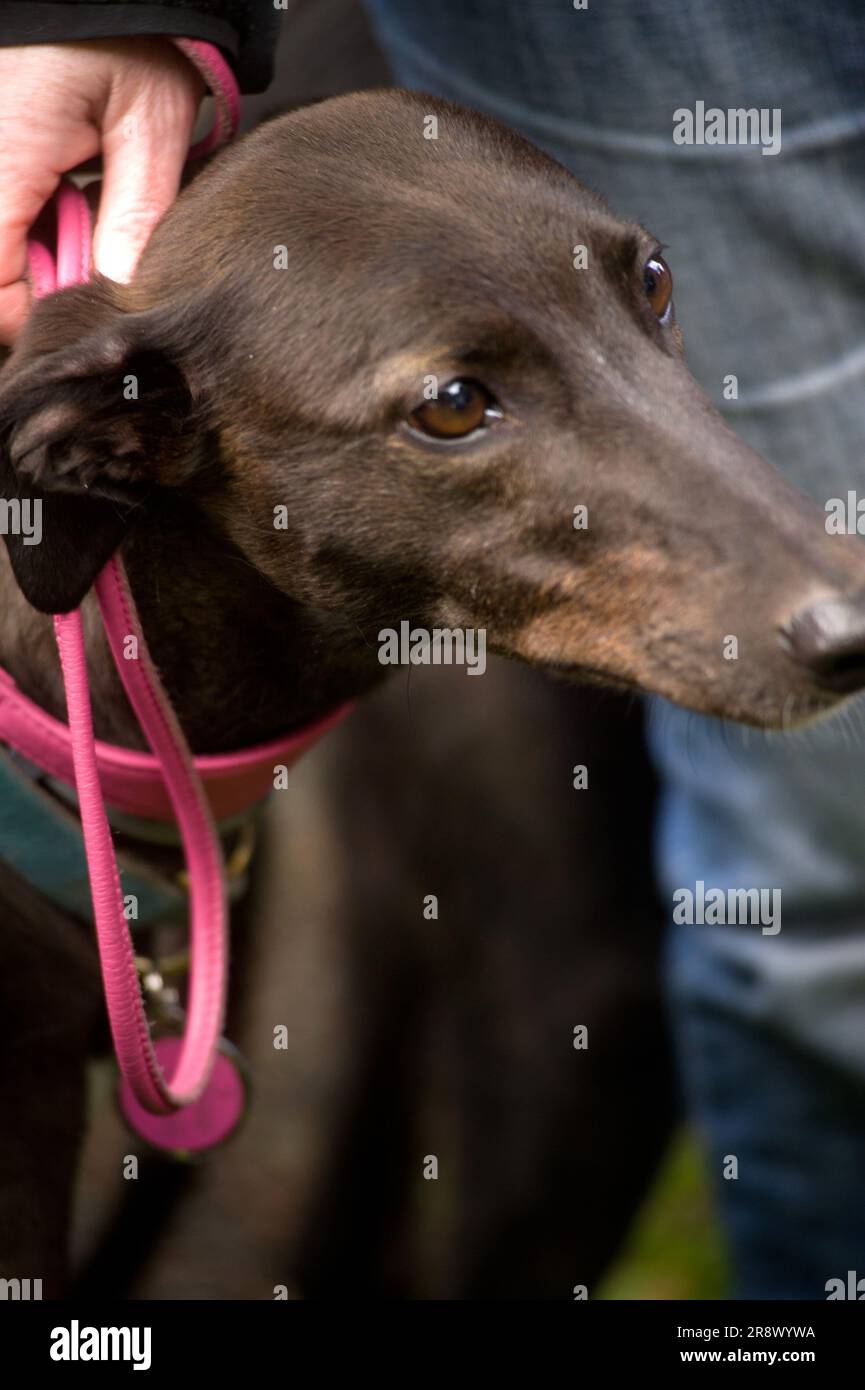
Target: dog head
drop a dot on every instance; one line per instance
(411, 369)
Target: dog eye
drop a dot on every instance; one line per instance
(658, 284)
(460, 408)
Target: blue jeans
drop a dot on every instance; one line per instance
(768, 257)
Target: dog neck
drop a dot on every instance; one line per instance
(241, 662)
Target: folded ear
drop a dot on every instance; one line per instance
(88, 428)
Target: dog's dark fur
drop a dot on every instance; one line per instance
(261, 387)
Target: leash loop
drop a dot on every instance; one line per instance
(136, 1057)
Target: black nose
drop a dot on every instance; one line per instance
(829, 639)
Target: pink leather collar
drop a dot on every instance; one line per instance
(132, 781)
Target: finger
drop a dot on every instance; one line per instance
(142, 170)
(14, 308)
(21, 201)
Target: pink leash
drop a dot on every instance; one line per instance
(208, 909)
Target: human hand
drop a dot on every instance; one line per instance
(133, 100)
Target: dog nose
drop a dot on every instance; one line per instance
(829, 639)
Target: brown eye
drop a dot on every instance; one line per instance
(460, 408)
(658, 284)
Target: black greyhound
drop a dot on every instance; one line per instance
(564, 486)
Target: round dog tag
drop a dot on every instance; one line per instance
(205, 1124)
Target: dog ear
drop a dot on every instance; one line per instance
(87, 430)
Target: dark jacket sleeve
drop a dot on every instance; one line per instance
(245, 30)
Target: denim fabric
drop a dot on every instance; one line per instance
(793, 1213)
(768, 257)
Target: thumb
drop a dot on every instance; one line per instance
(142, 167)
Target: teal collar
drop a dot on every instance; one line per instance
(41, 840)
